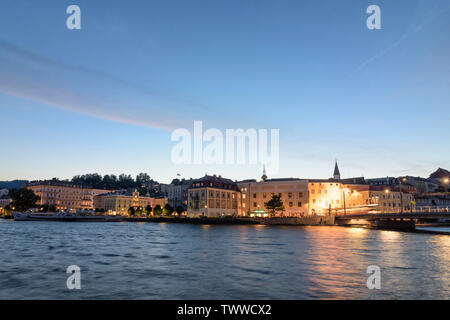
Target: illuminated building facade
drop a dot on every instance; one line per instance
(64, 195)
(293, 192)
(119, 203)
(213, 196)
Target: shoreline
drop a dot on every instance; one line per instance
(286, 221)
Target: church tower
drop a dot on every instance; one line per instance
(264, 176)
(336, 174)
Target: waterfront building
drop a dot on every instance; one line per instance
(302, 197)
(64, 194)
(325, 196)
(409, 184)
(293, 192)
(213, 196)
(375, 198)
(433, 200)
(177, 192)
(120, 201)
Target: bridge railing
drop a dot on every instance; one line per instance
(431, 209)
(419, 210)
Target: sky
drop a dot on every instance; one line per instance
(106, 98)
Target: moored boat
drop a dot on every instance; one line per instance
(64, 216)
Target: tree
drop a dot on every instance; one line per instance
(142, 178)
(180, 210)
(109, 181)
(131, 211)
(126, 181)
(23, 199)
(274, 205)
(93, 179)
(157, 210)
(168, 210)
(148, 210)
(139, 211)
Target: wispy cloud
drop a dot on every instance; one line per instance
(31, 76)
(434, 12)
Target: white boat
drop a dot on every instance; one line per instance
(64, 216)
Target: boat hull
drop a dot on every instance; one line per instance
(20, 216)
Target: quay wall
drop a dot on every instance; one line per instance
(306, 221)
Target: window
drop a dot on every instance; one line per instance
(254, 196)
(290, 195)
(299, 204)
(300, 194)
(290, 204)
(254, 204)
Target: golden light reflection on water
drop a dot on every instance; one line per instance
(260, 227)
(390, 235)
(357, 230)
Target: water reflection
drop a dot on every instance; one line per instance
(178, 261)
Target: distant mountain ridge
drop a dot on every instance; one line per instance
(14, 184)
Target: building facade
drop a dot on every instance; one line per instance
(177, 192)
(433, 200)
(64, 195)
(293, 192)
(303, 197)
(325, 196)
(213, 196)
(120, 202)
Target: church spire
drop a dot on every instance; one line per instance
(336, 174)
(264, 176)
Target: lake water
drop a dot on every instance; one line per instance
(183, 261)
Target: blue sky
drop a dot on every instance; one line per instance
(106, 98)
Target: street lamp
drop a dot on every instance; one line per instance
(446, 180)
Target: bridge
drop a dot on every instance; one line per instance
(392, 220)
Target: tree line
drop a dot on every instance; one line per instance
(156, 211)
(113, 182)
